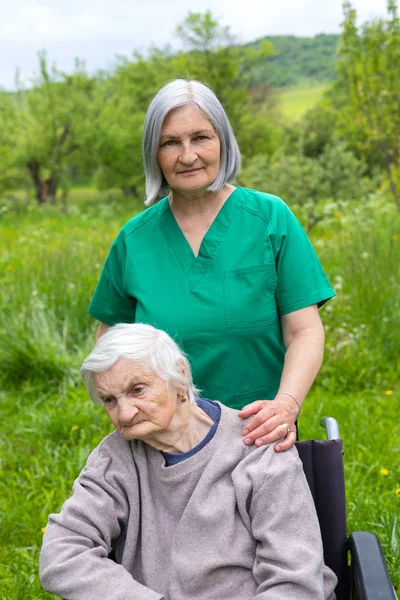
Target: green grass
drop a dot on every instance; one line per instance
(295, 101)
(49, 264)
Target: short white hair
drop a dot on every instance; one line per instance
(176, 94)
(154, 350)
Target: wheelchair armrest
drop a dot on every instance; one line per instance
(369, 575)
(331, 427)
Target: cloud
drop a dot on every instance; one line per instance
(98, 30)
(64, 21)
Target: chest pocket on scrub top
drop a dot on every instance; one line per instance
(249, 296)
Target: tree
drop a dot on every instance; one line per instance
(53, 117)
(116, 138)
(369, 84)
(10, 175)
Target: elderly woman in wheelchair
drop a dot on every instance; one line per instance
(187, 509)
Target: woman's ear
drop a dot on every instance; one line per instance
(183, 367)
(182, 394)
(184, 370)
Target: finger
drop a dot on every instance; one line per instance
(287, 443)
(273, 407)
(284, 445)
(269, 432)
(252, 409)
(266, 417)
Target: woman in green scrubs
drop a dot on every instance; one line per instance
(226, 271)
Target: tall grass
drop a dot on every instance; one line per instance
(49, 264)
(362, 254)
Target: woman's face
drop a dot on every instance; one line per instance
(189, 150)
(139, 404)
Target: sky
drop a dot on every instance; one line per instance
(99, 30)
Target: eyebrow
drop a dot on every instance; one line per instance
(191, 133)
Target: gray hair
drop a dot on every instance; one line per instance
(176, 94)
(154, 350)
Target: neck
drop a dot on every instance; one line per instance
(188, 428)
(191, 203)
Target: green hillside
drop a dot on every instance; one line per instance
(296, 59)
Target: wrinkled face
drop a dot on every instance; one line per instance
(138, 403)
(189, 151)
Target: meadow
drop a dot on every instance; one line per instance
(50, 260)
(295, 101)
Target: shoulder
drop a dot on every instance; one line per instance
(113, 449)
(262, 462)
(230, 424)
(268, 207)
(231, 427)
(145, 218)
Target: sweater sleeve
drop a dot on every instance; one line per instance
(289, 555)
(74, 559)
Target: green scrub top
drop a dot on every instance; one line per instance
(223, 307)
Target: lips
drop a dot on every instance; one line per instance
(189, 171)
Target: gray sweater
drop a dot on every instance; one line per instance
(230, 523)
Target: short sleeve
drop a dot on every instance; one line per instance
(301, 278)
(110, 303)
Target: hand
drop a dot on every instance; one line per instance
(273, 417)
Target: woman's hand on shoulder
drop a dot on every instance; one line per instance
(273, 420)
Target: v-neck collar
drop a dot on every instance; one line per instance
(193, 266)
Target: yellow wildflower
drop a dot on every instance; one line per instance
(397, 492)
(74, 427)
(43, 529)
(9, 267)
(389, 392)
(385, 472)
(394, 237)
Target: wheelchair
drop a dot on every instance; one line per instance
(357, 559)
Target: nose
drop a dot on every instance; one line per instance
(188, 155)
(127, 412)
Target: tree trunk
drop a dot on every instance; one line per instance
(40, 186)
(51, 188)
(46, 189)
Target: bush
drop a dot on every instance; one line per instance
(316, 188)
